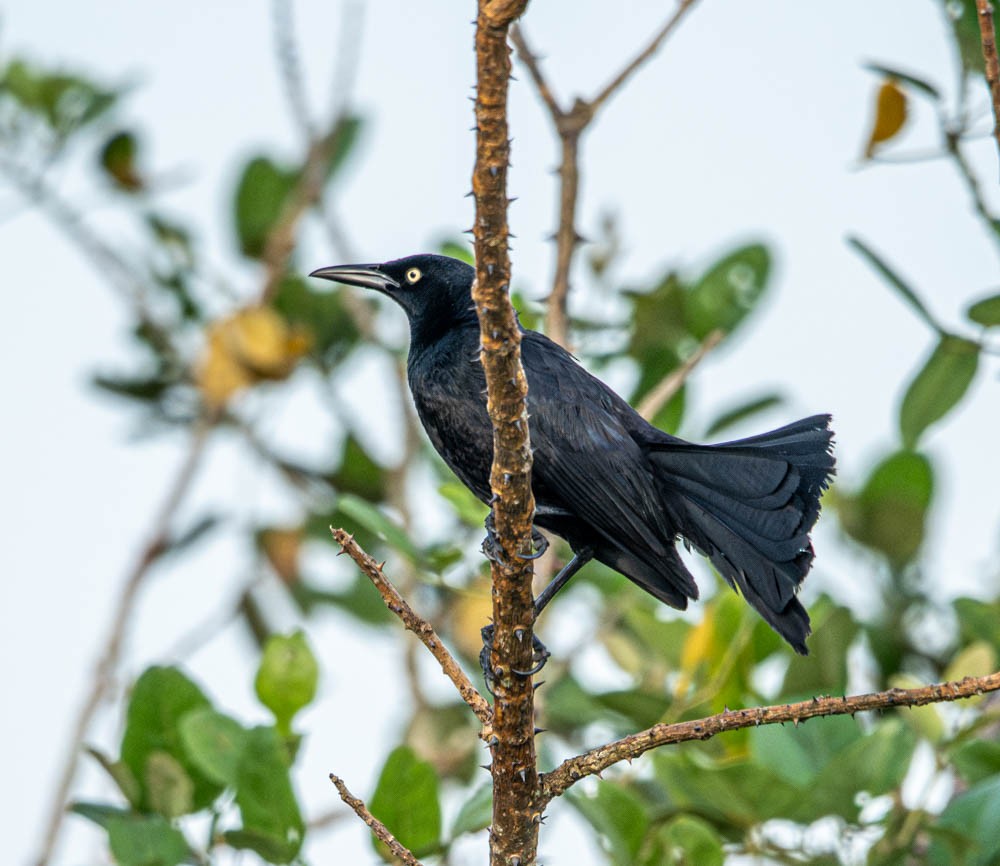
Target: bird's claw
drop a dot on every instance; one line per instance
(494, 552)
(539, 655)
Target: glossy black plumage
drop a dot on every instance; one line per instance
(604, 479)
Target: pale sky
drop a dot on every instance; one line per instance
(748, 125)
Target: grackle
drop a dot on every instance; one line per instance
(617, 489)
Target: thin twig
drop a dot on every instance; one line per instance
(107, 664)
(306, 193)
(992, 62)
(628, 748)
(377, 827)
(619, 80)
(419, 626)
(128, 279)
(570, 124)
(287, 53)
(953, 143)
(670, 384)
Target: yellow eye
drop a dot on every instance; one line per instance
(412, 275)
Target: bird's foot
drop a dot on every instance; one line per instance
(491, 545)
(539, 656)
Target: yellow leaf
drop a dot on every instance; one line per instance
(252, 344)
(281, 547)
(470, 612)
(890, 115)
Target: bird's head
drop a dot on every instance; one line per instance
(433, 290)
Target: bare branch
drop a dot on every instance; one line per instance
(155, 546)
(626, 749)
(570, 125)
(989, 36)
(419, 626)
(288, 64)
(377, 827)
(670, 384)
(654, 45)
(306, 194)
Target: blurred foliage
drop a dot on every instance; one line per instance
(205, 353)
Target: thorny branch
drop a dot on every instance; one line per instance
(989, 37)
(514, 836)
(419, 626)
(377, 827)
(570, 124)
(156, 545)
(597, 760)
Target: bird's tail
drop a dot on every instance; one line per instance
(749, 506)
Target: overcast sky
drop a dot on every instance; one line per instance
(748, 125)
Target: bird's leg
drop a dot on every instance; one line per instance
(540, 653)
(580, 558)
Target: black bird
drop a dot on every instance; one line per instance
(613, 486)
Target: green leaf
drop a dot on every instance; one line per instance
(799, 753)
(142, 388)
(979, 620)
(261, 194)
(321, 312)
(360, 599)
(193, 534)
(824, 670)
(730, 289)
(65, 102)
(964, 18)
(118, 158)
(689, 841)
(120, 774)
(985, 312)
(372, 519)
(406, 801)
(141, 840)
(938, 387)
(100, 813)
(169, 789)
(727, 791)
(620, 818)
(358, 474)
(476, 812)
(463, 501)
(272, 822)
(977, 760)
(914, 81)
(214, 742)
(457, 249)
(975, 816)
(287, 677)
(743, 411)
(889, 512)
(160, 699)
(345, 137)
(875, 763)
(894, 281)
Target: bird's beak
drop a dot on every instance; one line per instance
(366, 276)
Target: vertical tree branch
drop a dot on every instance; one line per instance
(514, 835)
(570, 125)
(989, 36)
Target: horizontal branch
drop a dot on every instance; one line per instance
(419, 626)
(597, 760)
(377, 827)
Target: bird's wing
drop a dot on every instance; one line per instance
(585, 460)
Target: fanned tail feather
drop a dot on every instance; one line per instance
(749, 506)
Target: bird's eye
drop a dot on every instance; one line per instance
(412, 275)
